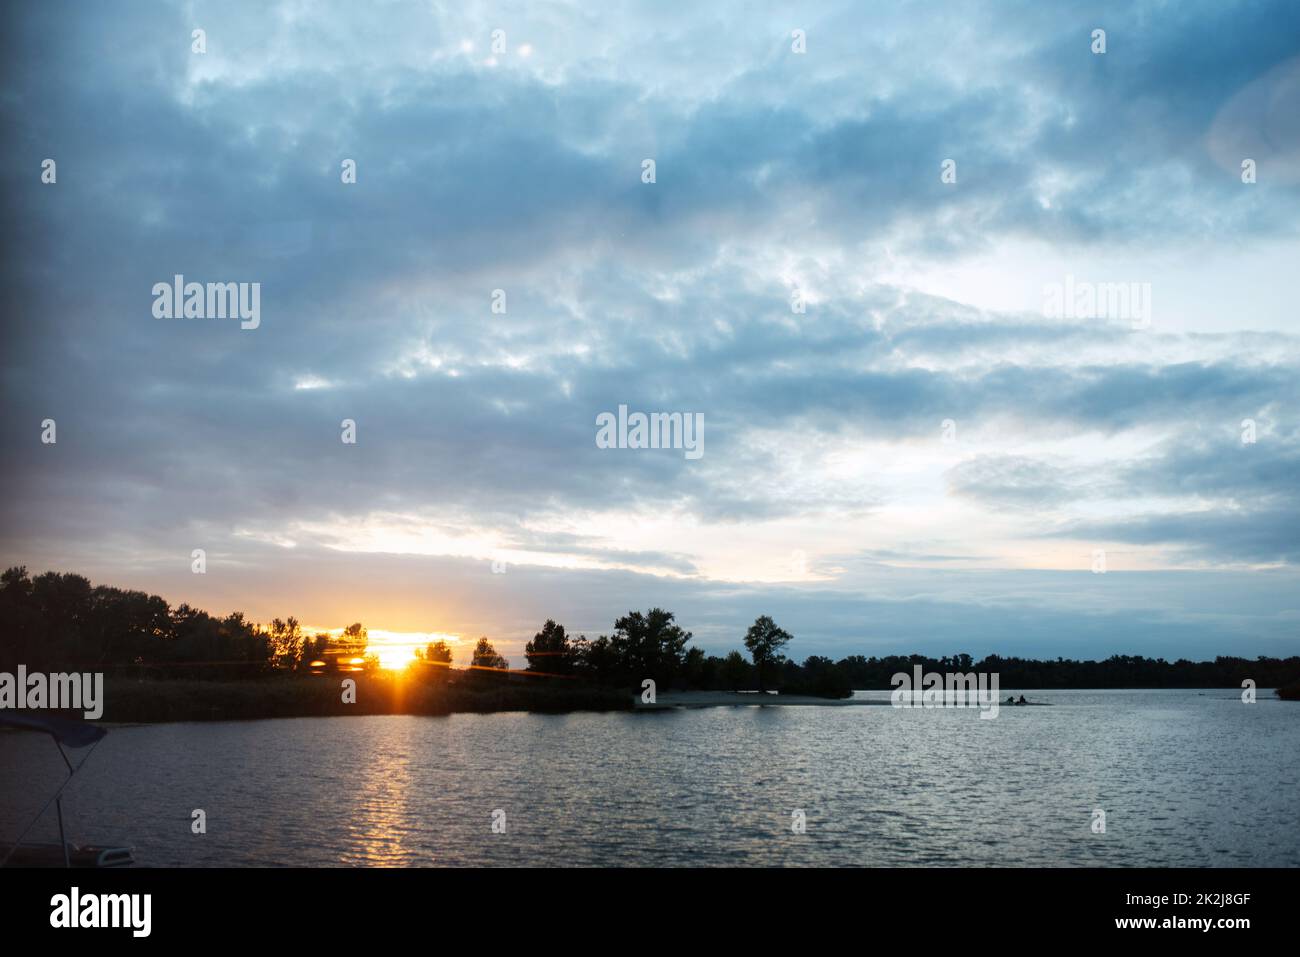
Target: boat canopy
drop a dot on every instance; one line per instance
(75, 734)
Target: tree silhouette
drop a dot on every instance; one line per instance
(61, 622)
(348, 650)
(765, 641)
(735, 671)
(649, 645)
(286, 643)
(485, 656)
(436, 656)
(550, 651)
(353, 641)
(595, 660)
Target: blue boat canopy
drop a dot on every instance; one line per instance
(75, 734)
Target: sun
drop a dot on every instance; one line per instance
(395, 658)
(396, 649)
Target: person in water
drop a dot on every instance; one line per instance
(1022, 700)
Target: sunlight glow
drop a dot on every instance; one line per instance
(394, 649)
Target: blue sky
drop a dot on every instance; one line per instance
(829, 495)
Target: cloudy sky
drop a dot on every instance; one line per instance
(923, 459)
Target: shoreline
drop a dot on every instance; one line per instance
(135, 702)
(747, 699)
(160, 702)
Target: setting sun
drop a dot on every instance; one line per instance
(395, 658)
(396, 649)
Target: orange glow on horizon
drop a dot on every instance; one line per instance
(396, 658)
(394, 649)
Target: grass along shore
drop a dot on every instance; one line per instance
(130, 700)
(720, 699)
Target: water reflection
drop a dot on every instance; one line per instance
(1186, 778)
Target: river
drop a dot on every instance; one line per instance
(1183, 777)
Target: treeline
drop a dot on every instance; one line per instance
(1117, 671)
(59, 622)
(651, 646)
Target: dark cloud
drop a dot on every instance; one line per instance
(773, 173)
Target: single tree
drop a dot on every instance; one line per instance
(595, 660)
(485, 656)
(550, 651)
(649, 645)
(735, 669)
(313, 654)
(436, 658)
(765, 641)
(286, 644)
(350, 647)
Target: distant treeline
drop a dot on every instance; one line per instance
(607, 660)
(1117, 671)
(57, 622)
(60, 622)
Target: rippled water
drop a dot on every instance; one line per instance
(1185, 778)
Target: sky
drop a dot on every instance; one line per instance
(844, 264)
